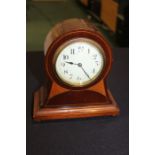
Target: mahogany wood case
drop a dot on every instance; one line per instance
(56, 100)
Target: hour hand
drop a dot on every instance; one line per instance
(71, 63)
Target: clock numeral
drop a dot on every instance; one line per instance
(70, 76)
(81, 48)
(72, 51)
(65, 71)
(97, 63)
(88, 51)
(93, 70)
(65, 57)
(63, 64)
(94, 56)
(78, 78)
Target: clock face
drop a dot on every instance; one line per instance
(79, 62)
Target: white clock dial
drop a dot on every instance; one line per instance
(79, 63)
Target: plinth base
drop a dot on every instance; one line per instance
(41, 112)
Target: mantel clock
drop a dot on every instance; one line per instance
(77, 62)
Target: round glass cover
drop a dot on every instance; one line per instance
(79, 62)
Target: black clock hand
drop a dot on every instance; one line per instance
(80, 65)
(86, 73)
(71, 63)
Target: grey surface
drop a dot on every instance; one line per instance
(93, 136)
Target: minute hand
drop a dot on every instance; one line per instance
(80, 65)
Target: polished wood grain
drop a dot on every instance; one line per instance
(66, 27)
(108, 108)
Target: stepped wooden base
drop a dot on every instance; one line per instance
(65, 111)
